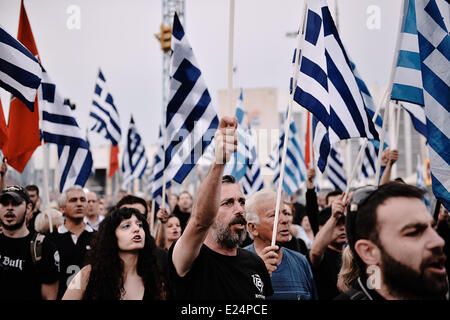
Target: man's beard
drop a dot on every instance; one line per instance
(12, 227)
(405, 282)
(225, 237)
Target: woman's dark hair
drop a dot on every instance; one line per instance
(106, 276)
(131, 199)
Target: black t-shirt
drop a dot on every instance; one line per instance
(20, 278)
(32, 220)
(325, 275)
(72, 255)
(296, 244)
(214, 276)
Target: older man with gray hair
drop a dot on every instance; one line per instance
(73, 238)
(291, 275)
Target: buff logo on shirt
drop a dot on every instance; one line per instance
(12, 263)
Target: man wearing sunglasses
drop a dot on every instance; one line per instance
(24, 274)
(395, 245)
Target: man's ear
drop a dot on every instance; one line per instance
(252, 229)
(29, 208)
(368, 252)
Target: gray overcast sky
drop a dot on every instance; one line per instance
(118, 37)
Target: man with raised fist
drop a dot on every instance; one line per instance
(206, 262)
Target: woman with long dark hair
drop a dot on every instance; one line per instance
(122, 264)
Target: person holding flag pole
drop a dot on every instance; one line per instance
(286, 126)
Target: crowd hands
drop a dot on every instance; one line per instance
(374, 243)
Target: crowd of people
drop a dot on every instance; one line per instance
(378, 242)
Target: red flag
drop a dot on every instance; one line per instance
(23, 124)
(3, 128)
(113, 160)
(308, 150)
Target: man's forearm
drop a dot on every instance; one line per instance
(207, 203)
(323, 238)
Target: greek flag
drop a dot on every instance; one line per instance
(420, 183)
(191, 119)
(295, 168)
(60, 127)
(157, 172)
(335, 170)
(20, 71)
(435, 66)
(370, 106)
(253, 180)
(368, 165)
(325, 84)
(429, 74)
(104, 116)
(407, 86)
(321, 143)
(134, 160)
(237, 165)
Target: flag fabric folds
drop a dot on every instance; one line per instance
(295, 168)
(20, 71)
(420, 183)
(321, 143)
(335, 170)
(113, 160)
(435, 67)
(134, 160)
(325, 83)
(368, 165)
(407, 87)
(104, 116)
(60, 127)
(191, 119)
(237, 165)
(253, 180)
(3, 128)
(157, 172)
(23, 123)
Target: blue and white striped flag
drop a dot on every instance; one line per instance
(104, 116)
(420, 183)
(370, 106)
(325, 84)
(335, 169)
(20, 71)
(369, 161)
(321, 143)
(295, 168)
(60, 127)
(134, 160)
(157, 172)
(435, 66)
(191, 119)
(237, 165)
(253, 180)
(423, 78)
(407, 85)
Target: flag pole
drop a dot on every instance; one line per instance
(384, 101)
(311, 154)
(380, 150)
(230, 56)
(287, 124)
(361, 151)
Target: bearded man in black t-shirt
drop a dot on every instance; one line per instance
(206, 261)
(25, 274)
